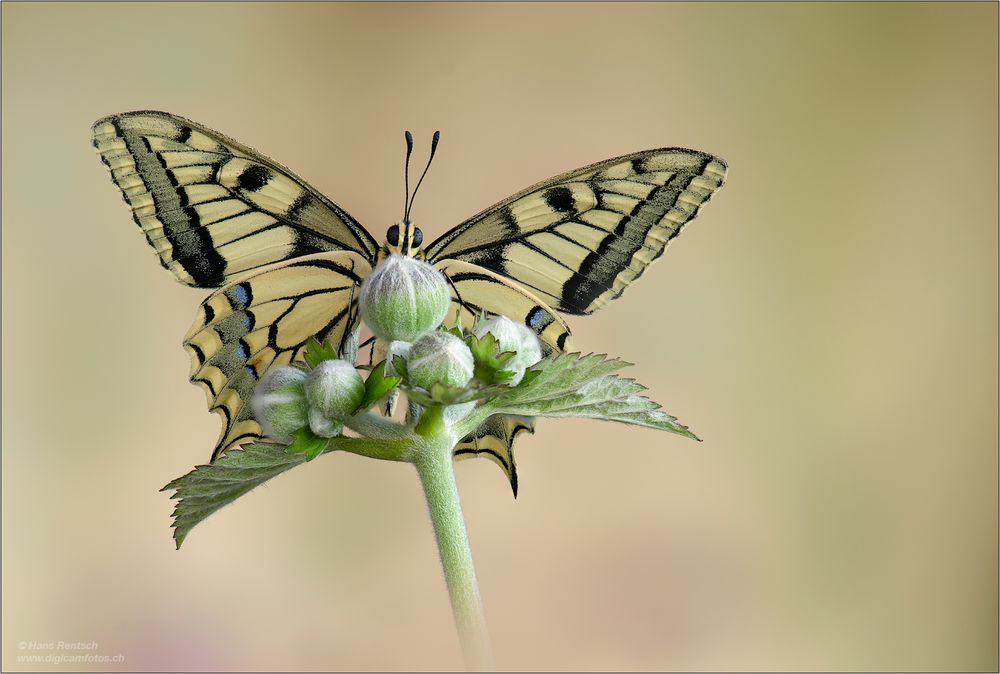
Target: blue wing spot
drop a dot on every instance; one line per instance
(537, 319)
(248, 321)
(242, 350)
(252, 372)
(239, 295)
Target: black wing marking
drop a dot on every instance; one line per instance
(214, 209)
(580, 239)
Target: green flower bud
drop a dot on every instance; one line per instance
(333, 389)
(322, 426)
(404, 298)
(440, 357)
(516, 337)
(279, 403)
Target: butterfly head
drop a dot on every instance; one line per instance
(403, 238)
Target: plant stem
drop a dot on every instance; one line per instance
(431, 423)
(437, 475)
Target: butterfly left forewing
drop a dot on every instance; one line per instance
(214, 209)
(265, 320)
(579, 240)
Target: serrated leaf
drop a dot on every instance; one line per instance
(212, 486)
(304, 441)
(440, 395)
(571, 385)
(377, 386)
(488, 359)
(316, 353)
(529, 376)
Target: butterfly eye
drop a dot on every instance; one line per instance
(393, 235)
(418, 237)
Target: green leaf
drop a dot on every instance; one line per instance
(209, 487)
(571, 385)
(378, 386)
(489, 360)
(455, 329)
(440, 395)
(399, 365)
(308, 443)
(528, 377)
(212, 486)
(316, 353)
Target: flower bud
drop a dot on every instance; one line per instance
(323, 426)
(333, 389)
(440, 357)
(279, 403)
(516, 337)
(404, 298)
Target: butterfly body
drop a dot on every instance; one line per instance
(285, 262)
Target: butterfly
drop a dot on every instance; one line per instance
(285, 262)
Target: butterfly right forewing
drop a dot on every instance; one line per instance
(578, 240)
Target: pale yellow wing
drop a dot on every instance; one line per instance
(476, 290)
(214, 209)
(579, 240)
(494, 440)
(265, 320)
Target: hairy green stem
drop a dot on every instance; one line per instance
(431, 424)
(437, 475)
(375, 426)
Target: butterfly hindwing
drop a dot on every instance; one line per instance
(494, 440)
(579, 240)
(214, 209)
(476, 290)
(264, 320)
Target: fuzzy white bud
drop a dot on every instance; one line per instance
(440, 357)
(516, 337)
(403, 298)
(333, 389)
(279, 403)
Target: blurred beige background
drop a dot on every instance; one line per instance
(828, 326)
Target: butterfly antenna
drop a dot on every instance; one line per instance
(406, 177)
(434, 144)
